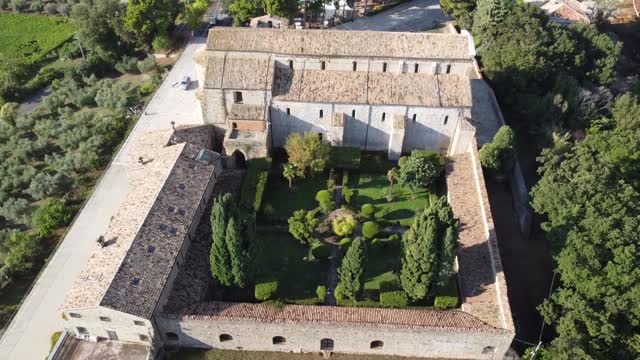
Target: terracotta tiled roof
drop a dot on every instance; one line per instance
(376, 317)
(341, 43)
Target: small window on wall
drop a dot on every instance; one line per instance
(143, 337)
(488, 350)
(326, 344)
(320, 136)
(353, 113)
(384, 67)
(414, 117)
(279, 340)
(237, 97)
(105, 319)
(291, 64)
(446, 119)
(322, 65)
(288, 112)
(384, 115)
(377, 344)
(415, 68)
(225, 337)
(75, 315)
(82, 330)
(138, 322)
(321, 113)
(448, 69)
(354, 66)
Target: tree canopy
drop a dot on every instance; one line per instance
(352, 270)
(307, 152)
(148, 18)
(589, 193)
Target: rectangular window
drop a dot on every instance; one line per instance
(143, 337)
(138, 322)
(288, 112)
(237, 97)
(414, 117)
(384, 115)
(163, 227)
(355, 66)
(353, 113)
(384, 67)
(75, 316)
(321, 114)
(446, 119)
(151, 249)
(82, 331)
(322, 65)
(135, 281)
(448, 69)
(291, 64)
(415, 68)
(173, 231)
(105, 319)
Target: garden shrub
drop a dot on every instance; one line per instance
(146, 65)
(36, 6)
(344, 244)
(68, 51)
(343, 226)
(498, 155)
(51, 8)
(349, 195)
(321, 291)
(50, 215)
(368, 210)
(266, 289)
(302, 224)
(63, 9)
(19, 5)
(332, 180)
(162, 42)
(127, 64)
(370, 229)
(406, 222)
(325, 200)
(392, 295)
(320, 250)
(254, 183)
(445, 302)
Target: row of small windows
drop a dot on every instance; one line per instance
(384, 116)
(112, 334)
(105, 319)
(354, 67)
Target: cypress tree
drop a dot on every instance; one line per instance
(219, 258)
(237, 254)
(428, 250)
(352, 269)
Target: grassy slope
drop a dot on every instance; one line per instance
(29, 37)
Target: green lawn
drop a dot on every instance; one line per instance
(28, 38)
(283, 257)
(383, 265)
(371, 190)
(280, 202)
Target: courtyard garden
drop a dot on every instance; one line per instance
(337, 226)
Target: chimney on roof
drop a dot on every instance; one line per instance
(173, 125)
(141, 160)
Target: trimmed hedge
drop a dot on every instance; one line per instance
(320, 250)
(392, 296)
(445, 302)
(321, 291)
(266, 290)
(254, 184)
(349, 195)
(370, 229)
(368, 211)
(325, 200)
(344, 244)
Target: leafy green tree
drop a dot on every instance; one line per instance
(498, 155)
(462, 10)
(343, 226)
(428, 250)
(626, 111)
(307, 152)
(100, 27)
(352, 270)
(589, 194)
(50, 215)
(220, 258)
(237, 253)
(420, 170)
(595, 54)
(43, 185)
(302, 224)
(17, 210)
(24, 250)
(489, 13)
(243, 11)
(195, 12)
(148, 18)
(282, 8)
(111, 95)
(289, 172)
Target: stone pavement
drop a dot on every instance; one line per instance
(27, 337)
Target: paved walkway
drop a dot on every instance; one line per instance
(27, 337)
(417, 15)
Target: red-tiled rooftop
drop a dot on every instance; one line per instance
(376, 317)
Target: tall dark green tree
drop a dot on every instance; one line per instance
(428, 250)
(352, 270)
(237, 253)
(589, 193)
(220, 258)
(460, 9)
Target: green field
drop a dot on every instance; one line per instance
(28, 38)
(281, 201)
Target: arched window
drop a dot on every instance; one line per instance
(446, 119)
(414, 117)
(377, 344)
(171, 336)
(225, 337)
(326, 344)
(279, 340)
(322, 65)
(448, 69)
(384, 116)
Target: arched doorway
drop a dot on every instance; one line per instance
(239, 160)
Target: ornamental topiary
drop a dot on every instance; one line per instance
(266, 290)
(321, 291)
(325, 200)
(368, 210)
(370, 229)
(343, 226)
(445, 302)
